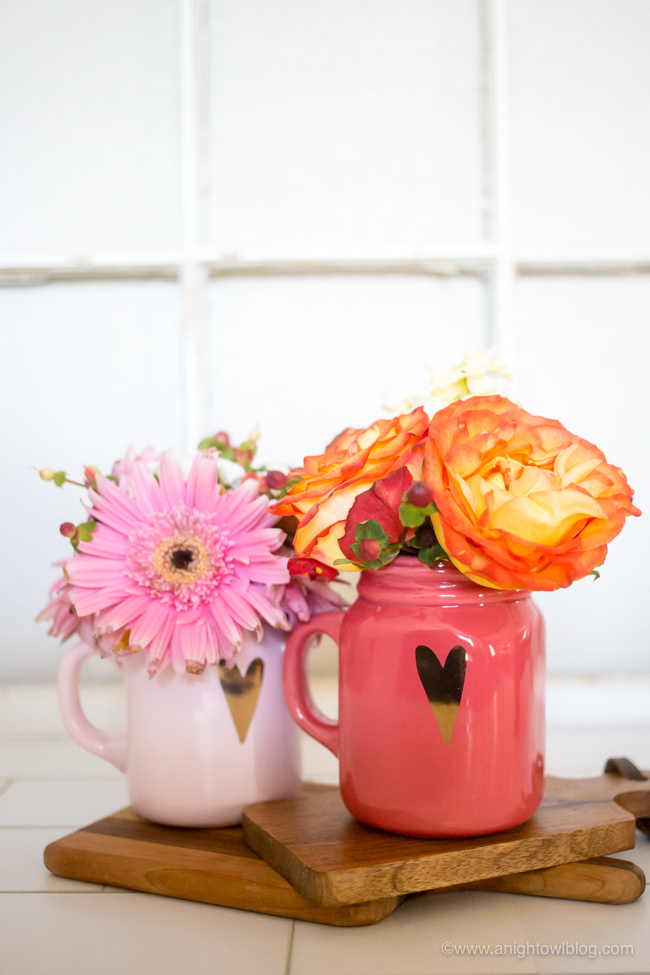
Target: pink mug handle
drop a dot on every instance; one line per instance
(296, 688)
(112, 747)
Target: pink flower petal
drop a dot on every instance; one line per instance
(172, 484)
(93, 573)
(269, 572)
(159, 645)
(203, 486)
(266, 609)
(176, 652)
(146, 488)
(150, 623)
(240, 610)
(125, 612)
(88, 601)
(225, 623)
(106, 543)
(110, 496)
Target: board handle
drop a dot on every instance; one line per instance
(296, 686)
(112, 747)
(601, 880)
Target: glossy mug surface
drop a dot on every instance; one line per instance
(441, 701)
(198, 747)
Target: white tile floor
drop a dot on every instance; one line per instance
(50, 926)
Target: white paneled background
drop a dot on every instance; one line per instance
(217, 213)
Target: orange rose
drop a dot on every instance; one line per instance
(352, 463)
(522, 503)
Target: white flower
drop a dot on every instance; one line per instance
(479, 374)
(230, 472)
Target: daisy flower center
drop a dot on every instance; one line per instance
(180, 557)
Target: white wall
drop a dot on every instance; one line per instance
(216, 213)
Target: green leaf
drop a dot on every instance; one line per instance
(346, 562)
(109, 477)
(413, 517)
(59, 478)
(432, 555)
(595, 574)
(86, 531)
(370, 529)
(206, 443)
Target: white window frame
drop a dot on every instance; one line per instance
(493, 259)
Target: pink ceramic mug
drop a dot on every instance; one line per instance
(198, 747)
(441, 701)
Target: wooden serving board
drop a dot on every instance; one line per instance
(217, 867)
(332, 859)
(214, 866)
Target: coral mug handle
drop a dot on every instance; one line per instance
(112, 747)
(296, 688)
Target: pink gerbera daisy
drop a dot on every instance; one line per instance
(63, 616)
(178, 568)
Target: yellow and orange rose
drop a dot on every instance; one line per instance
(330, 482)
(522, 503)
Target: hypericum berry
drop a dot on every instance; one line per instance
(276, 480)
(426, 536)
(222, 438)
(369, 549)
(244, 456)
(47, 474)
(419, 494)
(68, 530)
(90, 473)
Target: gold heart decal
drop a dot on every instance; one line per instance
(242, 692)
(443, 685)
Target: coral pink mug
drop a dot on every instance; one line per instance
(441, 701)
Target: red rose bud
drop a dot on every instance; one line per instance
(311, 568)
(276, 480)
(419, 494)
(68, 530)
(369, 549)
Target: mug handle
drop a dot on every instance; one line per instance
(296, 688)
(112, 747)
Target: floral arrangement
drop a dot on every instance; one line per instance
(515, 501)
(179, 563)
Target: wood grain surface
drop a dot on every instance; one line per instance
(332, 859)
(603, 880)
(214, 866)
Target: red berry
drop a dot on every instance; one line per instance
(369, 549)
(68, 530)
(222, 438)
(276, 480)
(419, 494)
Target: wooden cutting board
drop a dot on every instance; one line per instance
(332, 859)
(214, 866)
